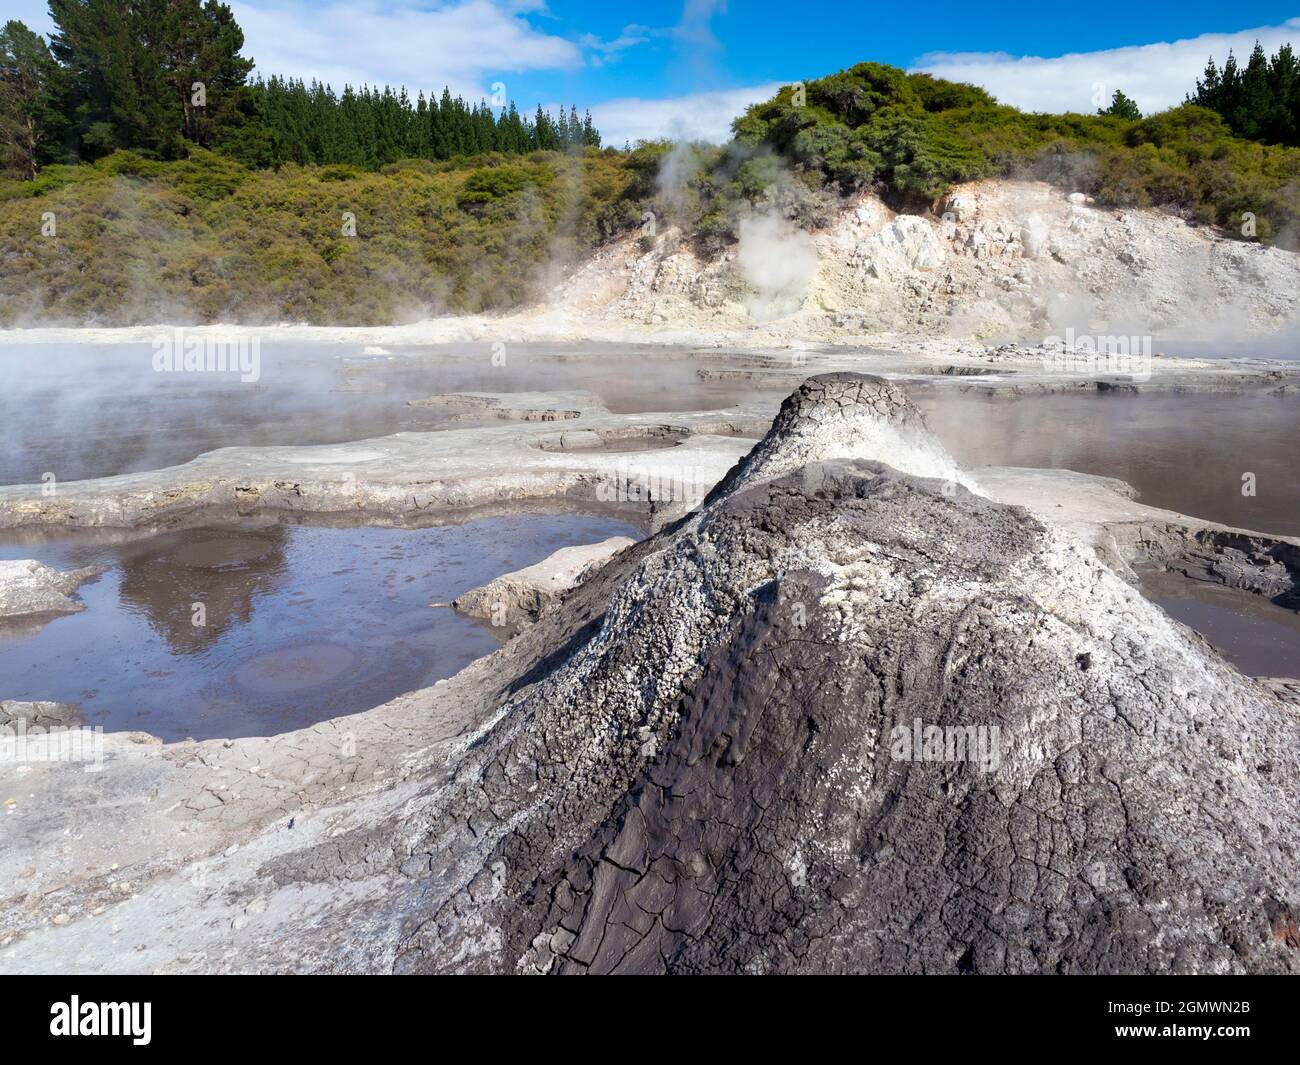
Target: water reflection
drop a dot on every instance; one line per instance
(212, 575)
(299, 623)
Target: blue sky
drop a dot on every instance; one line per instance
(686, 67)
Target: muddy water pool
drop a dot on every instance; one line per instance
(1258, 637)
(91, 410)
(1185, 452)
(298, 623)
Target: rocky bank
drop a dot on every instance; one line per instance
(998, 259)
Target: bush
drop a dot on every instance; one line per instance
(206, 239)
(493, 183)
(914, 136)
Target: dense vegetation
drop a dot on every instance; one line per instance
(207, 238)
(916, 135)
(129, 198)
(1261, 102)
(158, 77)
(305, 124)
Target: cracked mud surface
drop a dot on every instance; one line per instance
(707, 783)
(689, 764)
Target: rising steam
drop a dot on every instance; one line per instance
(778, 261)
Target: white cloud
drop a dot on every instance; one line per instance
(696, 26)
(698, 116)
(1156, 76)
(423, 44)
(465, 44)
(602, 52)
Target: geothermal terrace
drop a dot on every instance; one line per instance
(334, 781)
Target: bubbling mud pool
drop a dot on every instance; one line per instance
(297, 623)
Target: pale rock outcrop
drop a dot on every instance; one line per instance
(1034, 237)
(519, 597)
(29, 588)
(999, 258)
(39, 714)
(906, 245)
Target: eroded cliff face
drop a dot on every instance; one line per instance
(999, 259)
(852, 716)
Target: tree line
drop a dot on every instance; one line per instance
(159, 76)
(1261, 101)
(310, 124)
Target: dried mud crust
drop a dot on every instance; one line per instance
(1263, 565)
(703, 779)
(687, 764)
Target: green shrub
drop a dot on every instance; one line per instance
(207, 239)
(338, 172)
(914, 136)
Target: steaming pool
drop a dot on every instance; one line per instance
(306, 622)
(95, 410)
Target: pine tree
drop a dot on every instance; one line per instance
(1250, 114)
(1261, 102)
(1284, 85)
(545, 137)
(130, 69)
(198, 49)
(1209, 93)
(419, 145)
(1122, 106)
(29, 123)
(114, 95)
(289, 122)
